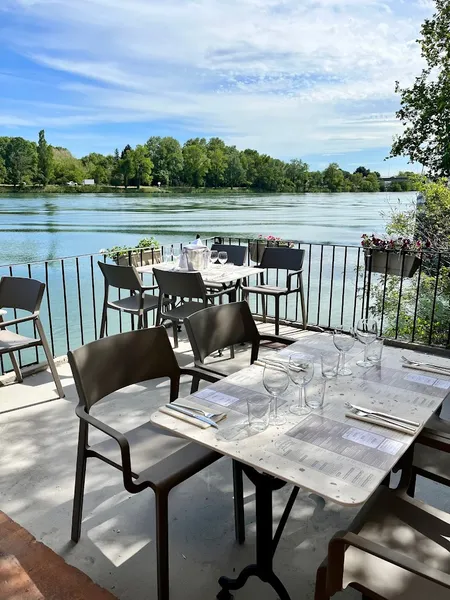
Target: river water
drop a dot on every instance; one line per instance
(43, 228)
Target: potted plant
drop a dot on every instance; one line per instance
(256, 246)
(394, 255)
(147, 252)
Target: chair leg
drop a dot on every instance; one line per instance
(49, 356)
(175, 333)
(411, 490)
(194, 384)
(103, 321)
(145, 318)
(140, 321)
(162, 544)
(16, 368)
(231, 351)
(80, 478)
(277, 315)
(303, 304)
(239, 517)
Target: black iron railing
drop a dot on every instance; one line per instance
(342, 284)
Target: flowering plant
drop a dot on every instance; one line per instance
(272, 240)
(395, 243)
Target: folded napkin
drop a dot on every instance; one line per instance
(385, 424)
(436, 370)
(177, 415)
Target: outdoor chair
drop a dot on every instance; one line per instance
(223, 326)
(149, 457)
(236, 255)
(191, 292)
(397, 548)
(281, 259)
(20, 293)
(138, 304)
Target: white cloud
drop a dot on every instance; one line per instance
(286, 77)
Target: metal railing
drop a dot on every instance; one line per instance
(342, 284)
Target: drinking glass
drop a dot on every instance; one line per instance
(168, 254)
(316, 392)
(330, 365)
(258, 413)
(223, 257)
(375, 351)
(344, 342)
(366, 332)
(276, 381)
(214, 255)
(301, 371)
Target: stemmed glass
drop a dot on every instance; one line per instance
(301, 371)
(214, 255)
(344, 342)
(366, 332)
(276, 381)
(223, 257)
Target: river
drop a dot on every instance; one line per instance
(42, 227)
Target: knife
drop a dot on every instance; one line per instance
(193, 415)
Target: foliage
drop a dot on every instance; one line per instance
(396, 243)
(425, 106)
(143, 165)
(127, 166)
(195, 162)
(20, 161)
(45, 160)
(143, 244)
(272, 240)
(2, 170)
(167, 157)
(66, 167)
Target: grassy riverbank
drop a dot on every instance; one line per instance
(106, 189)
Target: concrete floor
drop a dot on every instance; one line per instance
(38, 439)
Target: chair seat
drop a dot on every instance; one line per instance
(432, 461)
(131, 303)
(184, 310)
(158, 456)
(397, 523)
(272, 290)
(10, 341)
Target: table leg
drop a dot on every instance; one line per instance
(265, 542)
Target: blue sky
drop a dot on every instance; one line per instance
(312, 79)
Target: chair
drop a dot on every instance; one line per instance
(176, 284)
(148, 456)
(280, 258)
(24, 294)
(138, 304)
(397, 548)
(223, 326)
(236, 254)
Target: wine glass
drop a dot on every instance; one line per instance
(214, 255)
(223, 257)
(366, 332)
(276, 381)
(344, 340)
(301, 371)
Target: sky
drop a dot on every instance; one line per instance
(309, 79)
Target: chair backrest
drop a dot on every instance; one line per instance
(112, 363)
(177, 283)
(125, 278)
(236, 254)
(282, 258)
(21, 293)
(219, 326)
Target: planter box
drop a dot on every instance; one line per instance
(257, 249)
(397, 263)
(149, 257)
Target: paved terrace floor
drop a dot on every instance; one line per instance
(38, 438)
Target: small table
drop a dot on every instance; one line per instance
(324, 452)
(213, 274)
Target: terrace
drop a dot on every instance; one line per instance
(117, 546)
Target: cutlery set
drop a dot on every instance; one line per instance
(383, 419)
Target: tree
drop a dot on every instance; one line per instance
(45, 160)
(217, 156)
(297, 172)
(364, 172)
(370, 183)
(425, 106)
(167, 157)
(333, 178)
(315, 181)
(98, 167)
(21, 161)
(127, 164)
(196, 162)
(270, 175)
(116, 174)
(66, 167)
(2, 171)
(142, 164)
(234, 173)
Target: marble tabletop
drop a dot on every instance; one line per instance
(218, 274)
(325, 452)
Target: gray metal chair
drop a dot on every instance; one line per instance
(147, 456)
(281, 259)
(20, 293)
(189, 288)
(138, 304)
(224, 326)
(236, 254)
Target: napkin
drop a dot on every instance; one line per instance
(177, 415)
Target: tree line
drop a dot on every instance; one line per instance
(164, 161)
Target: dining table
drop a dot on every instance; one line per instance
(327, 451)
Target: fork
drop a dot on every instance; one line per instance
(412, 425)
(200, 411)
(417, 363)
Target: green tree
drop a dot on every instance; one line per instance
(315, 181)
(196, 162)
(333, 178)
(98, 167)
(270, 175)
(234, 175)
(2, 171)
(217, 155)
(142, 164)
(370, 183)
(364, 172)
(127, 167)
(167, 157)
(425, 106)
(249, 160)
(66, 167)
(297, 171)
(21, 161)
(116, 174)
(45, 160)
